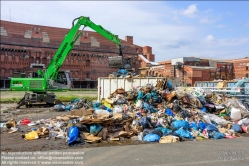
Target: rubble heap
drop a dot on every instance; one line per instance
(160, 113)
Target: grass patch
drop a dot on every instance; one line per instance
(14, 96)
(66, 98)
(10, 100)
(5, 111)
(87, 90)
(61, 98)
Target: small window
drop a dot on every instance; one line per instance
(87, 63)
(87, 75)
(36, 32)
(85, 37)
(246, 67)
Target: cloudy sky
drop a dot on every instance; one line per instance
(173, 29)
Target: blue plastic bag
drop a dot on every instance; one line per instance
(75, 100)
(216, 135)
(147, 97)
(68, 107)
(183, 133)
(122, 71)
(107, 108)
(156, 98)
(236, 128)
(149, 107)
(95, 129)
(153, 93)
(140, 95)
(59, 107)
(193, 125)
(202, 125)
(169, 85)
(180, 123)
(204, 109)
(96, 105)
(214, 123)
(211, 127)
(73, 134)
(152, 131)
(151, 138)
(145, 122)
(165, 131)
(169, 112)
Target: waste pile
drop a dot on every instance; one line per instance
(160, 113)
(123, 73)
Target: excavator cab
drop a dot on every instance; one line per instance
(63, 80)
(63, 77)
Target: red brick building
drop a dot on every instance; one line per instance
(241, 67)
(26, 44)
(190, 69)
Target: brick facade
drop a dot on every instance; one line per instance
(204, 70)
(23, 44)
(241, 67)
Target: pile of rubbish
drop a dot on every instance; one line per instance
(123, 73)
(149, 113)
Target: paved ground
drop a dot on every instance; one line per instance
(210, 152)
(225, 152)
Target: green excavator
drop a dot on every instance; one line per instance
(38, 84)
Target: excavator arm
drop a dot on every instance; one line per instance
(69, 41)
(45, 80)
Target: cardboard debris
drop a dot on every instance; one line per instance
(63, 117)
(124, 134)
(102, 116)
(104, 133)
(43, 131)
(222, 84)
(113, 135)
(120, 91)
(11, 123)
(117, 116)
(222, 130)
(169, 139)
(81, 112)
(13, 130)
(90, 138)
(114, 139)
